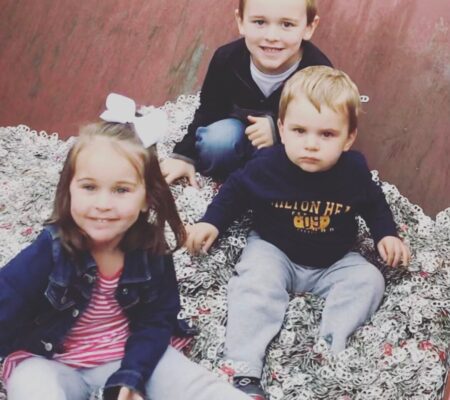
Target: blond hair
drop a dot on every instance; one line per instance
(323, 85)
(311, 10)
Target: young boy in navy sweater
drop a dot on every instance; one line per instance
(241, 91)
(305, 194)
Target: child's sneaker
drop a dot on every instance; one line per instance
(250, 386)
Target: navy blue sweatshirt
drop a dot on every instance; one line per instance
(309, 216)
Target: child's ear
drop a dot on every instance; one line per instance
(281, 129)
(311, 28)
(350, 140)
(237, 17)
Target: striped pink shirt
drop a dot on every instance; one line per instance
(100, 334)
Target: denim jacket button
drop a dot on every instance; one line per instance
(47, 346)
(63, 300)
(125, 290)
(75, 312)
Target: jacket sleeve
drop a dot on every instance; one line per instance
(214, 106)
(22, 281)
(232, 200)
(152, 325)
(376, 211)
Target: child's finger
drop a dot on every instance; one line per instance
(250, 130)
(188, 242)
(192, 181)
(208, 243)
(252, 119)
(396, 255)
(382, 251)
(170, 177)
(406, 255)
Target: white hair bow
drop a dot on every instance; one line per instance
(150, 127)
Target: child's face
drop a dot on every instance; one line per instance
(273, 31)
(106, 194)
(314, 140)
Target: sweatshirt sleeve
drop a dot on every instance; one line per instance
(233, 199)
(376, 211)
(214, 105)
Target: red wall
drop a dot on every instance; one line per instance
(58, 60)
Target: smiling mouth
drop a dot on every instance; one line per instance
(102, 220)
(271, 49)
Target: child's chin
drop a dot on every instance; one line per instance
(311, 168)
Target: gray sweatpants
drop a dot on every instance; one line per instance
(258, 297)
(175, 378)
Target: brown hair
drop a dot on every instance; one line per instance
(143, 234)
(323, 85)
(311, 10)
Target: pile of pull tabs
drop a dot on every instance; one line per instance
(401, 353)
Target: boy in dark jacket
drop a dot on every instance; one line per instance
(240, 95)
(305, 194)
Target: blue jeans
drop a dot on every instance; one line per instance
(222, 147)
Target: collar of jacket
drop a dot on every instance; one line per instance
(137, 265)
(240, 62)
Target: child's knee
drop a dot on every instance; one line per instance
(31, 380)
(222, 135)
(371, 281)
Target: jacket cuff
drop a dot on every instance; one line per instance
(127, 378)
(273, 128)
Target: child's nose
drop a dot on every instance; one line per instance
(311, 142)
(103, 200)
(272, 32)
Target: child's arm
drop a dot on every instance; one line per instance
(214, 106)
(152, 323)
(22, 282)
(200, 238)
(393, 251)
(232, 200)
(377, 213)
(176, 168)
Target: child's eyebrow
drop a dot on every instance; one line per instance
(116, 183)
(83, 178)
(288, 19)
(257, 16)
(129, 183)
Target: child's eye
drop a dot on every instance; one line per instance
(287, 24)
(87, 187)
(327, 134)
(299, 130)
(121, 190)
(258, 21)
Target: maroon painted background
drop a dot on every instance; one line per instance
(59, 59)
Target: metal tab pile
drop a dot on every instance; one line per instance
(400, 354)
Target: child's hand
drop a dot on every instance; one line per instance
(173, 169)
(128, 394)
(259, 132)
(200, 237)
(393, 251)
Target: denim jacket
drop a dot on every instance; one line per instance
(42, 293)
